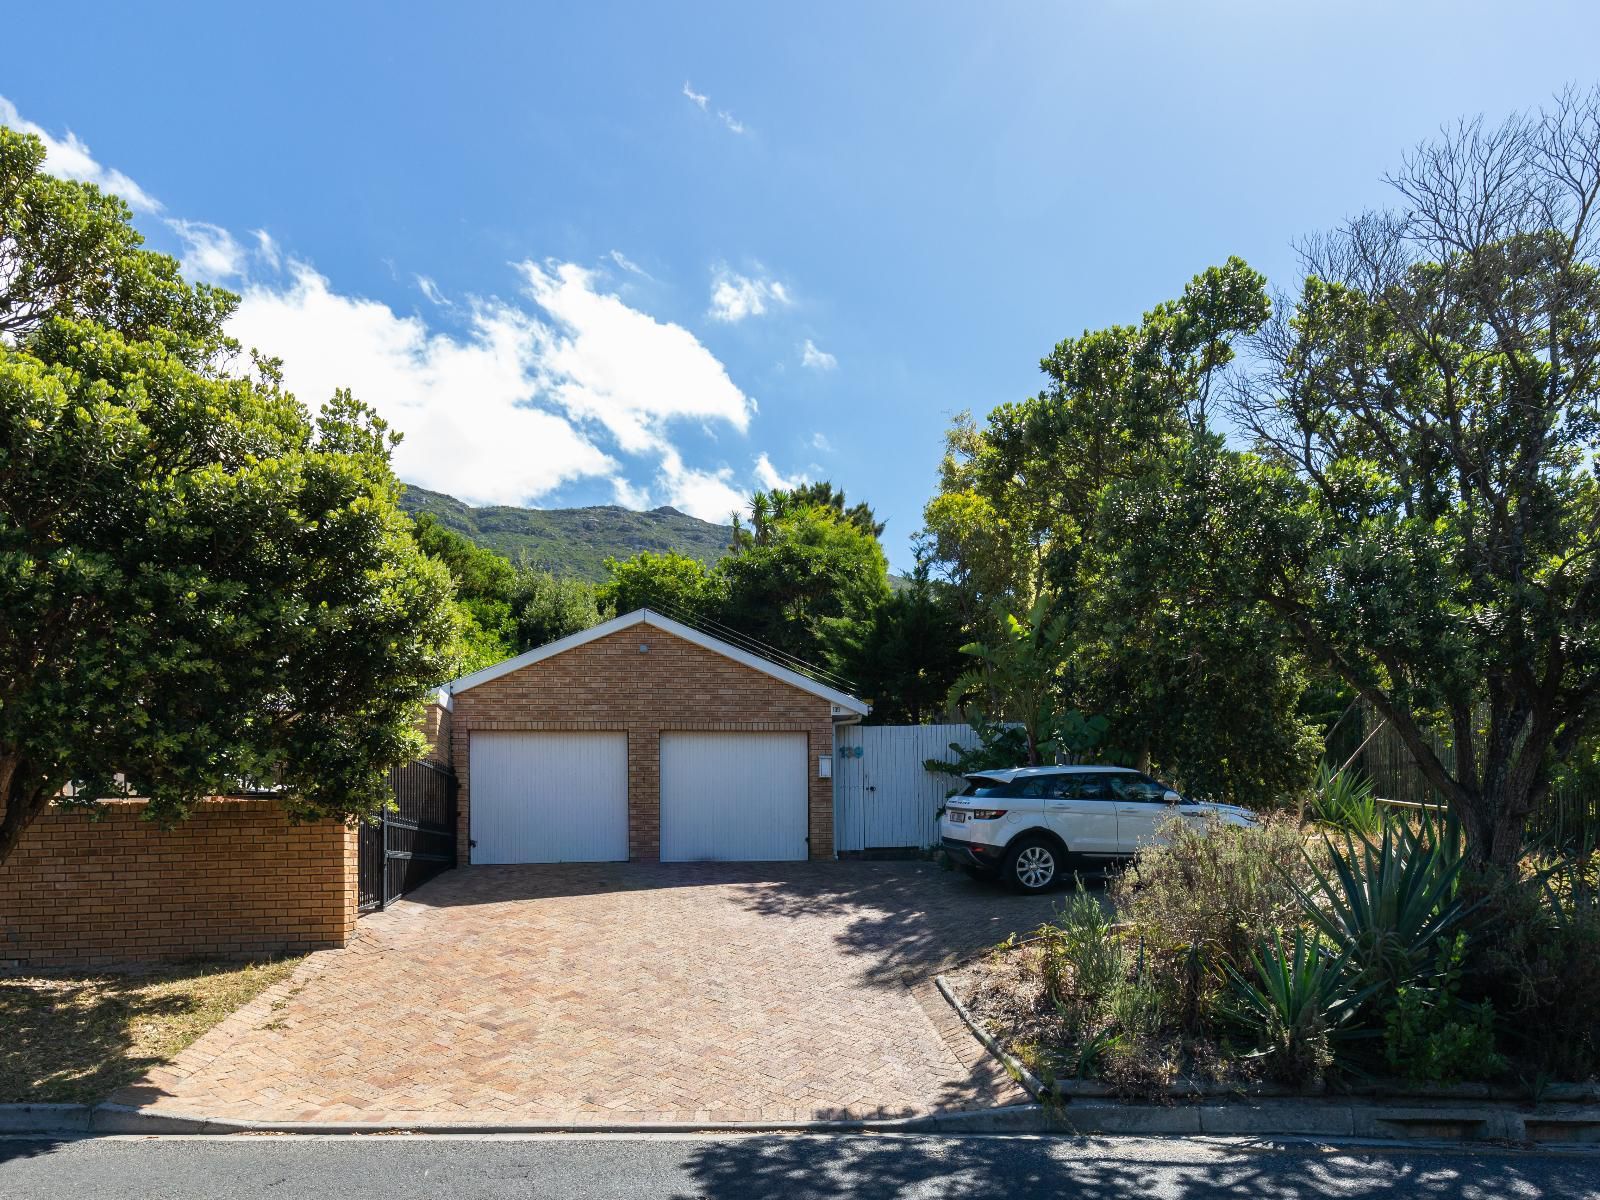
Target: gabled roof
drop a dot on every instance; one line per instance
(644, 616)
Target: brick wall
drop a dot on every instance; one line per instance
(607, 684)
(436, 728)
(234, 880)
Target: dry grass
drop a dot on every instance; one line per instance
(76, 1038)
(1004, 992)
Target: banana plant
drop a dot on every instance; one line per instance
(1019, 673)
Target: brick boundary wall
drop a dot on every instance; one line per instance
(608, 685)
(436, 722)
(235, 880)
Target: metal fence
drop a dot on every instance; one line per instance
(414, 841)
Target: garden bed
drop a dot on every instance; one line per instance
(1267, 962)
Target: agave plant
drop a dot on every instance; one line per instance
(1385, 902)
(1345, 799)
(1300, 1002)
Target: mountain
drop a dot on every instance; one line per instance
(572, 541)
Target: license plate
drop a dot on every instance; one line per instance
(958, 818)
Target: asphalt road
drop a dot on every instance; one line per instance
(784, 1168)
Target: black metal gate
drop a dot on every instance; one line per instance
(413, 842)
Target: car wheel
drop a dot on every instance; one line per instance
(1032, 864)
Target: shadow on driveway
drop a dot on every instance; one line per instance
(900, 919)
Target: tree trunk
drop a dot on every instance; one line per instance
(1493, 821)
(22, 805)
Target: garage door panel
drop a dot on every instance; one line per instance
(548, 797)
(733, 797)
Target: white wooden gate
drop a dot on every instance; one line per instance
(883, 798)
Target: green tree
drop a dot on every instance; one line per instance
(547, 607)
(1196, 678)
(673, 584)
(505, 610)
(906, 656)
(1019, 676)
(1424, 513)
(804, 581)
(485, 586)
(1080, 492)
(199, 582)
(70, 250)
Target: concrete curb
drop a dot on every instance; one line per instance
(1324, 1120)
(81, 1120)
(1470, 1113)
(1018, 1071)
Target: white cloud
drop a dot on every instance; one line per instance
(703, 102)
(210, 252)
(627, 264)
(430, 289)
(467, 407)
(817, 360)
(735, 297)
(768, 477)
(522, 402)
(629, 496)
(267, 249)
(819, 441)
(709, 495)
(610, 363)
(70, 158)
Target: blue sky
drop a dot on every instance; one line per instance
(667, 253)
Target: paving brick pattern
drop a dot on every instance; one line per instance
(621, 993)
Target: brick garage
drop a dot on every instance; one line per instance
(236, 879)
(610, 701)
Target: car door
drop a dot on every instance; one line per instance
(1141, 809)
(1083, 812)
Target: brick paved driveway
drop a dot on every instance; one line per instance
(621, 993)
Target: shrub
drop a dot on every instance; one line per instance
(1217, 889)
(1431, 1036)
(1080, 959)
(1536, 959)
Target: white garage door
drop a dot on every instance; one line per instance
(548, 797)
(735, 797)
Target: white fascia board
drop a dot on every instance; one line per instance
(839, 700)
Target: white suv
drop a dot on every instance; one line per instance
(1033, 824)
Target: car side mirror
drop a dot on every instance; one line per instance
(1171, 797)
